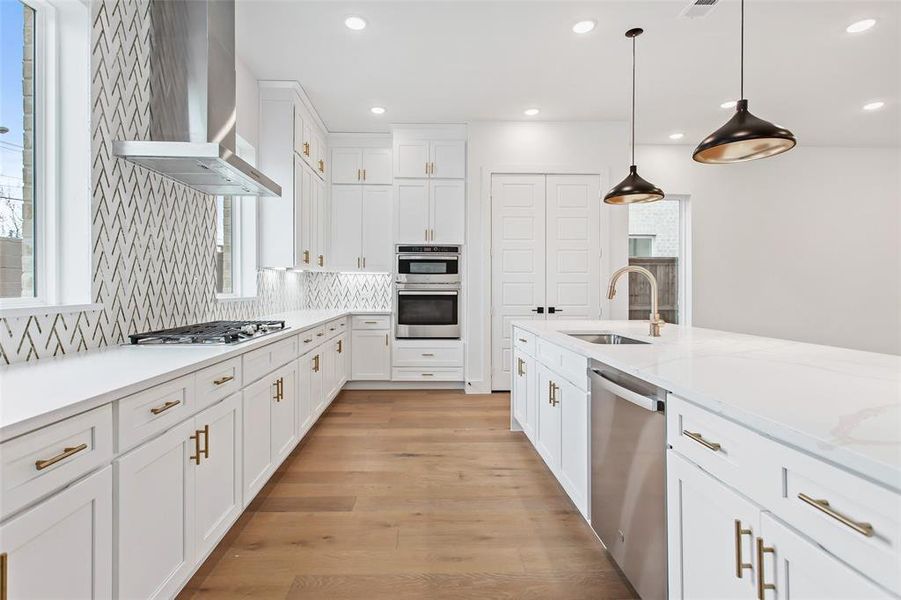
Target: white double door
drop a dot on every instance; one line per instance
(545, 255)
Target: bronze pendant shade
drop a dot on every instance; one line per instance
(633, 189)
(744, 137)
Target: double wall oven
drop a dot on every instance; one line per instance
(427, 302)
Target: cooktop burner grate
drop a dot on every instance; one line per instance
(213, 332)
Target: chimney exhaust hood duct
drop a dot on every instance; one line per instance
(192, 102)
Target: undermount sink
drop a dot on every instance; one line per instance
(605, 338)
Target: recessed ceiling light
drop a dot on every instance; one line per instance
(729, 104)
(377, 110)
(874, 105)
(355, 23)
(676, 136)
(583, 26)
(860, 26)
(530, 112)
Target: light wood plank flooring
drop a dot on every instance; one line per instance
(411, 494)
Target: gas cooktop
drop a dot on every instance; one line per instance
(214, 332)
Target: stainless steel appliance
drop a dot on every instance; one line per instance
(427, 302)
(213, 332)
(428, 264)
(628, 477)
(192, 112)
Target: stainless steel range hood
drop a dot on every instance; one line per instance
(192, 101)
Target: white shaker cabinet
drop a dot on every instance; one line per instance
(797, 568)
(430, 211)
(305, 392)
(155, 515)
(62, 547)
(217, 496)
(424, 159)
(715, 528)
(257, 417)
(283, 417)
(525, 387)
(370, 355)
(572, 404)
(366, 166)
(341, 361)
(361, 238)
(547, 441)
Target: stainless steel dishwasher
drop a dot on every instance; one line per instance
(628, 477)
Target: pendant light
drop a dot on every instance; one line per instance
(744, 137)
(633, 189)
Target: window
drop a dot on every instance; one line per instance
(658, 241)
(45, 239)
(236, 239)
(17, 135)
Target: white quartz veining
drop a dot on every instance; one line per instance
(841, 405)
(34, 394)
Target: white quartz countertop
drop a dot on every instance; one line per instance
(34, 394)
(841, 405)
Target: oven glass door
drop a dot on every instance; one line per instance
(428, 265)
(427, 308)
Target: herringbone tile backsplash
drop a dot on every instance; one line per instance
(153, 239)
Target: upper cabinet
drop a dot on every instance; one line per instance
(423, 159)
(367, 166)
(293, 229)
(361, 228)
(430, 211)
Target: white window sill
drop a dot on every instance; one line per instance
(45, 309)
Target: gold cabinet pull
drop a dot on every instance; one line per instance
(306, 148)
(358, 174)
(556, 387)
(358, 262)
(427, 234)
(364, 262)
(428, 374)
(762, 586)
(427, 168)
(222, 380)
(306, 257)
(316, 364)
(40, 465)
(523, 340)
(340, 346)
(386, 340)
(206, 441)
(320, 334)
(519, 364)
(308, 340)
(371, 322)
(428, 354)
(4, 574)
(197, 450)
(550, 393)
(700, 439)
(739, 564)
(321, 260)
(364, 174)
(321, 166)
(279, 389)
(865, 529)
(164, 407)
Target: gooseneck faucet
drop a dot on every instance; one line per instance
(654, 317)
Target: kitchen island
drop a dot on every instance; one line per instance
(805, 438)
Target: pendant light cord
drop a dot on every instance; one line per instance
(633, 99)
(742, 71)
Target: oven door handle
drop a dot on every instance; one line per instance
(426, 293)
(432, 257)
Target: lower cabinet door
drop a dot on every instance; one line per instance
(548, 437)
(532, 397)
(711, 531)
(155, 516)
(370, 355)
(257, 418)
(519, 390)
(572, 407)
(62, 547)
(304, 393)
(329, 370)
(283, 418)
(341, 363)
(793, 567)
(217, 489)
(317, 389)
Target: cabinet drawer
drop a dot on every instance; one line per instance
(726, 450)
(427, 355)
(332, 328)
(218, 381)
(523, 340)
(856, 520)
(372, 321)
(38, 463)
(147, 413)
(257, 363)
(308, 340)
(565, 363)
(427, 374)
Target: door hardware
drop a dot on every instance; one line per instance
(865, 529)
(222, 380)
(739, 565)
(762, 587)
(40, 465)
(539, 310)
(700, 439)
(164, 407)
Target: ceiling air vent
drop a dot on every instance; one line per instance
(698, 8)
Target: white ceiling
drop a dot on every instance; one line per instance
(467, 60)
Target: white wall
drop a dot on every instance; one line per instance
(803, 246)
(571, 147)
(247, 99)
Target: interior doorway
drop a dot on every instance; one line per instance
(545, 255)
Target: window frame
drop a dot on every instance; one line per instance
(244, 237)
(62, 230)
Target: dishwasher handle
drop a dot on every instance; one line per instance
(645, 402)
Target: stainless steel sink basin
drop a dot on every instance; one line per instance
(605, 338)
